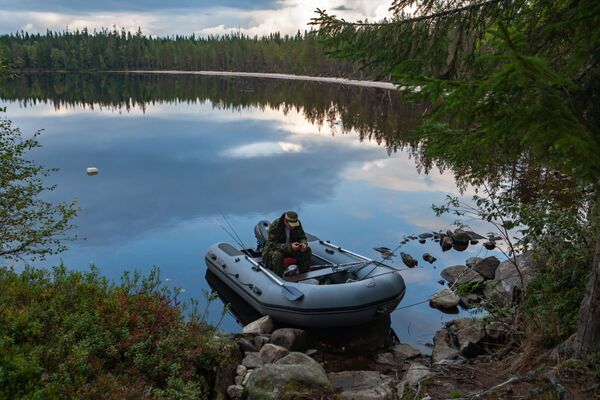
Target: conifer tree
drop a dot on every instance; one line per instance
(501, 77)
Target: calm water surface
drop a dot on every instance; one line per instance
(179, 157)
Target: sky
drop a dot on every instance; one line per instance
(180, 17)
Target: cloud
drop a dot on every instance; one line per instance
(285, 16)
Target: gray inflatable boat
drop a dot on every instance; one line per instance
(342, 288)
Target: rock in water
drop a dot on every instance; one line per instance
(446, 243)
(429, 258)
(491, 245)
(92, 171)
(408, 260)
(460, 240)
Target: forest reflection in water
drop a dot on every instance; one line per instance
(176, 153)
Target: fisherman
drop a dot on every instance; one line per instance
(287, 244)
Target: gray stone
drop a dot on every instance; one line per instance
(487, 267)
(291, 339)
(252, 360)
(442, 350)
(415, 374)
(507, 281)
(386, 362)
(459, 274)
(471, 261)
(260, 326)
(247, 377)
(362, 385)
(271, 353)
(260, 340)
(245, 345)
(265, 383)
(404, 352)
(469, 334)
(241, 370)
(235, 392)
(239, 379)
(469, 300)
(444, 299)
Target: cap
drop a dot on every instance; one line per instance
(292, 218)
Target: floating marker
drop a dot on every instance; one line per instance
(92, 171)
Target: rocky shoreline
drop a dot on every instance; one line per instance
(290, 363)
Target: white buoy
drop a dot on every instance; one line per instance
(92, 171)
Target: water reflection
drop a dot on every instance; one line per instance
(177, 155)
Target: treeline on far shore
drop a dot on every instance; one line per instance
(122, 50)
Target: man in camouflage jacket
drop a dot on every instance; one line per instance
(286, 240)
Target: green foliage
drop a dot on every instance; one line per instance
(67, 334)
(29, 226)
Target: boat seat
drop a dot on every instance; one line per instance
(310, 275)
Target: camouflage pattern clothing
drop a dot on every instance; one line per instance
(279, 246)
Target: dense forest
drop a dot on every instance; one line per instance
(121, 50)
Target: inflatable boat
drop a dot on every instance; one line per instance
(341, 288)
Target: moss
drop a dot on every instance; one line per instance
(294, 390)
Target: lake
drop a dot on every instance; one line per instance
(180, 158)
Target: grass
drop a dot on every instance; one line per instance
(66, 334)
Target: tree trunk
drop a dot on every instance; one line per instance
(588, 326)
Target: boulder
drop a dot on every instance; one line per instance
(460, 240)
(487, 267)
(241, 370)
(404, 352)
(271, 353)
(260, 340)
(459, 274)
(471, 261)
(386, 362)
(267, 382)
(444, 299)
(260, 326)
(252, 360)
(429, 258)
(245, 345)
(235, 392)
(442, 349)
(469, 300)
(362, 385)
(469, 334)
(291, 339)
(507, 283)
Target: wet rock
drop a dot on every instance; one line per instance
(474, 242)
(429, 258)
(271, 353)
(474, 235)
(408, 260)
(252, 360)
(425, 235)
(442, 349)
(489, 245)
(444, 299)
(471, 261)
(460, 240)
(235, 392)
(487, 267)
(291, 339)
(266, 383)
(362, 385)
(404, 352)
(386, 253)
(260, 326)
(422, 241)
(245, 345)
(441, 282)
(446, 243)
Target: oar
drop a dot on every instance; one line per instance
(289, 292)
